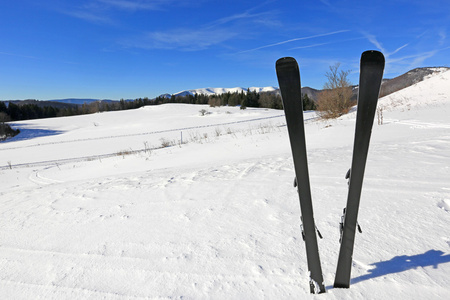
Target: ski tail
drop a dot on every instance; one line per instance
(371, 74)
(289, 81)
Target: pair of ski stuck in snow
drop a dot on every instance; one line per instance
(371, 73)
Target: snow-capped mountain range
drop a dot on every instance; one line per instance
(218, 91)
(388, 86)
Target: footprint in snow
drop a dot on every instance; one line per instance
(445, 205)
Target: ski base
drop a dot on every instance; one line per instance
(372, 66)
(289, 81)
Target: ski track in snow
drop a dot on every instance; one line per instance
(138, 258)
(40, 180)
(221, 219)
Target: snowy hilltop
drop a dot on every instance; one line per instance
(165, 202)
(219, 91)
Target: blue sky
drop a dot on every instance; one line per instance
(112, 49)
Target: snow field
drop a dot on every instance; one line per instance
(218, 217)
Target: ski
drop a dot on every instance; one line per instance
(289, 81)
(371, 73)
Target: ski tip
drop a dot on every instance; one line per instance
(285, 61)
(372, 56)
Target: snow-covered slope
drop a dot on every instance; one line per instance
(85, 215)
(433, 91)
(409, 78)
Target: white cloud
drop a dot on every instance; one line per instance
(326, 2)
(375, 42)
(442, 37)
(203, 36)
(100, 11)
(323, 44)
(261, 18)
(182, 39)
(136, 4)
(399, 48)
(295, 39)
(418, 61)
(89, 16)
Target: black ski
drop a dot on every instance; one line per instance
(289, 81)
(371, 73)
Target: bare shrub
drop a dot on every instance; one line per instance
(123, 153)
(335, 99)
(166, 143)
(203, 112)
(194, 137)
(380, 115)
(146, 147)
(214, 101)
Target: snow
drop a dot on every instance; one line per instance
(419, 94)
(93, 208)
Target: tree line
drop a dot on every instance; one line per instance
(333, 101)
(17, 112)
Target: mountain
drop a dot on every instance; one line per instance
(78, 101)
(219, 91)
(312, 93)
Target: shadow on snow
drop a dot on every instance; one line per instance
(30, 133)
(404, 263)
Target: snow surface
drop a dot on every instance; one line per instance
(93, 208)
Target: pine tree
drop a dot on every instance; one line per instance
(308, 104)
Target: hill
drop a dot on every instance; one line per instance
(414, 76)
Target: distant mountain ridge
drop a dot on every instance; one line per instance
(388, 86)
(60, 103)
(312, 93)
(218, 91)
(77, 101)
